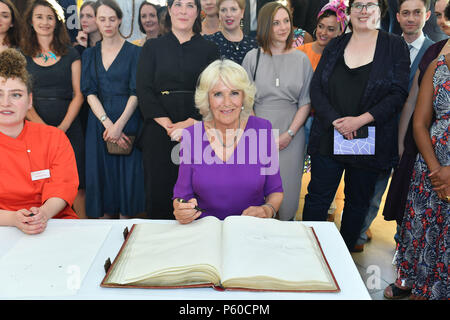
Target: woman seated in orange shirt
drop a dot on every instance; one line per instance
(39, 178)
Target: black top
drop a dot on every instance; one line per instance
(53, 80)
(346, 87)
(235, 51)
(383, 97)
(166, 65)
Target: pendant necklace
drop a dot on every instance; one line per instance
(235, 135)
(276, 71)
(46, 57)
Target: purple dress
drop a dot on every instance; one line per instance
(228, 188)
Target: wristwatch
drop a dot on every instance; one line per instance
(103, 117)
(290, 133)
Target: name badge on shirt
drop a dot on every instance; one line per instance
(39, 175)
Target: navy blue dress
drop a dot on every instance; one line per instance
(114, 184)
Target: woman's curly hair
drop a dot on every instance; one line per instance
(14, 65)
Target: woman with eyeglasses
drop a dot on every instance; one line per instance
(357, 91)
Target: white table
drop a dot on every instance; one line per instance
(346, 274)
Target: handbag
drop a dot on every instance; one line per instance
(111, 147)
(115, 149)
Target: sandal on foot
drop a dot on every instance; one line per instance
(397, 293)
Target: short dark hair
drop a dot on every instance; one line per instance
(13, 34)
(265, 22)
(196, 28)
(426, 3)
(146, 3)
(381, 3)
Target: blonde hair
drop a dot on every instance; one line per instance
(233, 76)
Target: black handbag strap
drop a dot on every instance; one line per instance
(257, 62)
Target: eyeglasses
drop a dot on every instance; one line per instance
(358, 6)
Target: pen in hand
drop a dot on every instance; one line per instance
(184, 201)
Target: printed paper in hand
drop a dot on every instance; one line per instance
(365, 146)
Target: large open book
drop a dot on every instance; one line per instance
(241, 252)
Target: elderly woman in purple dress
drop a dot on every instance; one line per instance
(228, 161)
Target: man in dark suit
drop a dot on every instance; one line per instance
(412, 16)
(252, 8)
(431, 29)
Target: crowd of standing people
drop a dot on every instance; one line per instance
(123, 117)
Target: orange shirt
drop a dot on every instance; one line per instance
(37, 149)
(313, 56)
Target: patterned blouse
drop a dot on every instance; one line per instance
(235, 51)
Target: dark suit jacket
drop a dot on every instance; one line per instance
(415, 65)
(383, 98)
(259, 5)
(431, 29)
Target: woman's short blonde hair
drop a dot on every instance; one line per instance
(233, 76)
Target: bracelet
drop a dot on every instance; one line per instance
(103, 117)
(271, 207)
(290, 133)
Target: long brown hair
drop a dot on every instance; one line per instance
(13, 34)
(61, 40)
(265, 24)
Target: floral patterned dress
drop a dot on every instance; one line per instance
(423, 253)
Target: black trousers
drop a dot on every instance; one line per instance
(326, 174)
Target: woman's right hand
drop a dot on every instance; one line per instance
(82, 38)
(184, 212)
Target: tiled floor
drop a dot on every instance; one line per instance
(375, 262)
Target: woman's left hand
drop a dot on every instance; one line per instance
(258, 211)
(347, 126)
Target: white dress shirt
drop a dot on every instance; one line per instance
(415, 47)
(253, 16)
